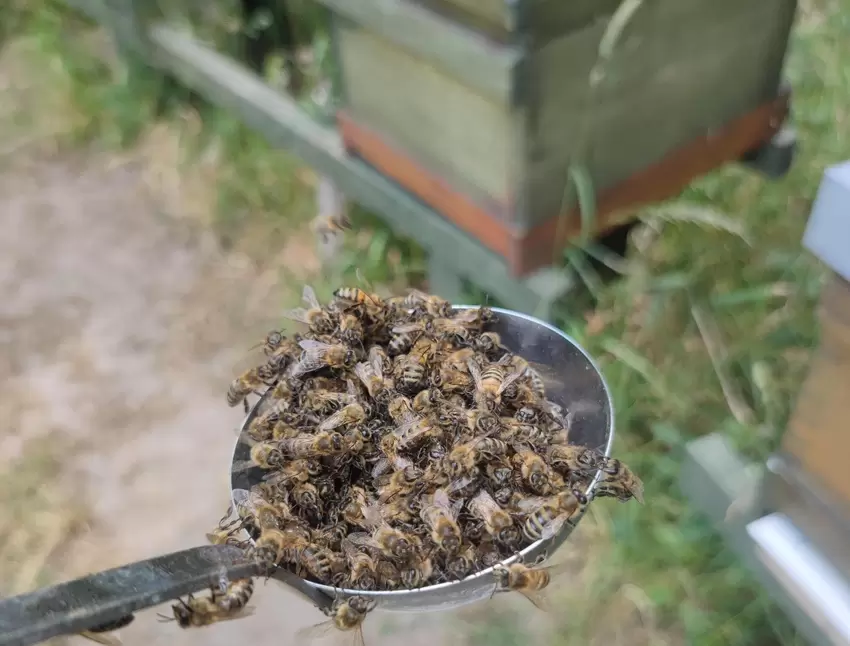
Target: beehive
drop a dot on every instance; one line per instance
(485, 111)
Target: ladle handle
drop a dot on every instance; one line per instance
(105, 597)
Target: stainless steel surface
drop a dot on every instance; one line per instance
(97, 599)
(820, 516)
(572, 381)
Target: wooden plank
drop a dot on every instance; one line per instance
(669, 83)
(233, 87)
(485, 67)
(462, 136)
(817, 432)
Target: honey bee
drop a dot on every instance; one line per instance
(451, 330)
(296, 472)
(497, 522)
(490, 345)
(318, 355)
(345, 615)
(392, 543)
(415, 430)
(350, 329)
(354, 511)
(483, 422)
(434, 305)
(490, 383)
(349, 415)
(306, 496)
(389, 575)
(403, 480)
(618, 481)
(197, 612)
(371, 374)
(323, 401)
(400, 409)
(535, 471)
(547, 517)
(308, 446)
(416, 573)
(271, 343)
(265, 455)
(460, 565)
(426, 400)
(529, 581)
(499, 473)
(264, 515)
(572, 458)
(440, 515)
(235, 595)
(363, 572)
(356, 296)
(314, 316)
(319, 562)
(249, 382)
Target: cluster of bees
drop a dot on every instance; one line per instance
(403, 445)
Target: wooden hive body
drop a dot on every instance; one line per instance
(488, 131)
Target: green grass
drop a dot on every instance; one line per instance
(719, 270)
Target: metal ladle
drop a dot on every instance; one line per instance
(572, 380)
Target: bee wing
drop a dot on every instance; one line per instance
(537, 598)
(475, 371)
(312, 346)
(484, 502)
(372, 514)
(308, 295)
(242, 465)
(511, 378)
(246, 502)
(109, 639)
(334, 421)
(381, 467)
(298, 314)
(460, 483)
(417, 295)
(362, 539)
(407, 328)
(307, 363)
(350, 390)
(362, 372)
(531, 504)
(406, 426)
(376, 361)
(553, 528)
(441, 499)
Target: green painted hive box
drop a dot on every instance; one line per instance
(632, 99)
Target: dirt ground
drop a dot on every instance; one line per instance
(121, 329)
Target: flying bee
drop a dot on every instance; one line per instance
(249, 382)
(534, 471)
(497, 522)
(548, 516)
(349, 415)
(363, 572)
(618, 481)
(345, 615)
(440, 516)
(314, 316)
(308, 446)
(197, 612)
(371, 374)
(318, 355)
(490, 383)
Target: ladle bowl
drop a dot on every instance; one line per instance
(572, 380)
